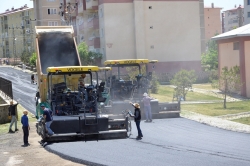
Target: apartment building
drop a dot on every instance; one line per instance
(246, 12)
(233, 18)
(16, 32)
(47, 12)
(152, 29)
(212, 21)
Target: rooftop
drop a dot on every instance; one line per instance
(239, 32)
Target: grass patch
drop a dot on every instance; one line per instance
(245, 120)
(206, 86)
(165, 94)
(4, 128)
(216, 109)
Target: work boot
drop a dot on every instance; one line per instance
(10, 131)
(16, 130)
(138, 138)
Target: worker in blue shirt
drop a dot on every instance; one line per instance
(26, 128)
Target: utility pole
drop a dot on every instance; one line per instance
(67, 9)
(31, 32)
(14, 45)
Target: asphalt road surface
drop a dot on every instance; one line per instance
(166, 142)
(23, 91)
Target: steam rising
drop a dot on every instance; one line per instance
(57, 49)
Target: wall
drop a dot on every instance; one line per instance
(228, 56)
(172, 40)
(117, 28)
(247, 67)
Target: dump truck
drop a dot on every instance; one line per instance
(122, 89)
(75, 108)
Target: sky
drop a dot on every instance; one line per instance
(225, 4)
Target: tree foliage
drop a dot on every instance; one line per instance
(33, 59)
(229, 81)
(25, 57)
(209, 60)
(183, 81)
(154, 84)
(88, 57)
(133, 71)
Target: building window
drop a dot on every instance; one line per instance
(236, 45)
(51, 0)
(248, 2)
(152, 47)
(52, 23)
(248, 13)
(150, 7)
(151, 27)
(51, 11)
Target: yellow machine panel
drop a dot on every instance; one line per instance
(129, 61)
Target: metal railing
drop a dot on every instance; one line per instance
(6, 87)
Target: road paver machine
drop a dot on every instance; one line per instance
(75, 108)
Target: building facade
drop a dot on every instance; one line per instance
(47, 12)
(246, 12)
(16, 32)
(124, 29)
(233, 18)
(151, 29)
(212, 21)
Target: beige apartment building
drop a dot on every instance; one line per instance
(16, 32)
(171, 31)
(47, 12)
(212, 21)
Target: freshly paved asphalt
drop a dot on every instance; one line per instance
(23, 91)
(166, 142)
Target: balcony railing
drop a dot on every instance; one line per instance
(92, 4)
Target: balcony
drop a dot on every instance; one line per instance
(94, 41)
(93, 23)
(92, 4)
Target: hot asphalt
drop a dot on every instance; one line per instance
(171, 142)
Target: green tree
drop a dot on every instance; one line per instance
(25, 57)
(88, 57)
(155, 84)
(134, 71)
(83, 53)
(93, 57)
(183, 81)
(229, 81)
(209, 60)
(33, 59)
